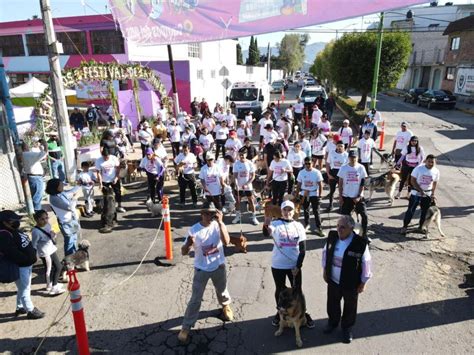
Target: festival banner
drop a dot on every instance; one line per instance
(151, 22)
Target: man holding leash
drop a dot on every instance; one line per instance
(346, 262)
(208, 238)
(212, 181)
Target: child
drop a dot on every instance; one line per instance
(44, 241)
(86, 179)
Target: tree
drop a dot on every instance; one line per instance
(321, 67)
(352, 60)
(254, 53)
(240, 59)
(291, 49)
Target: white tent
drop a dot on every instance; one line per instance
(34, 88)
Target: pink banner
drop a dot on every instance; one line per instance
(150, 22)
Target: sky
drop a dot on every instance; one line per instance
(13, 10)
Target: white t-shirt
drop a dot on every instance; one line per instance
(32, 162)
(187, 137)
(211, 176)
(377, 118)
(223, 168)
(330, 147)
(209, 123)
(317, 145)
(221, 132)
(289, 113)
(208, 249)
(151, 166)
(107, 168)
(241, 134)
(175, 133)
(412, 158)
(189, 161)
(346, 134)
(402, 139)
(161, 153)
(86, 179)
(306, 147)
(425, 178)
(230, 118)
(269, 136)
(232, 147)
(145, 136)
(243, 171)
(299, 107)
(249, 121)
(42, 242)
(309, 181)
(352, 177)
(365, 146)
(296, 159)
(206, 141)
(316, 116)
(325, 126)
(262, 123)
(337, 160)
(280, 169)
(286, 249)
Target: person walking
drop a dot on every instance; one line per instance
(107, 171)
(212, 181)
(86, 179)
(277, 177)
(370, 126)
(174, 134)
(316, 116)
(346, 134)
(402, 138)
(92, 116)
(34, 171)
(347, 267)
(155, 175)
(296, 158)
(335, 160)
(329, 106)
(127, 128)
(145, 136)
(412, 155)
(318, 143)
(298, 113)
(186, 162)
(55, 156)
(208, 238)
(77, 119)
(365, 147)
(222, 133)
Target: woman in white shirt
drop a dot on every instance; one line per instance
(325, 125)
(186, 162)
(155, 174)
(222, 133)
(249, 122)
(278, 176)
(412, 156)
(336, 159)
(296, 158)
(318, 143)
(346, 134)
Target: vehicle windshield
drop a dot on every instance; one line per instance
(440, 93)
(250, 94)
(277, 83)
(311, 93)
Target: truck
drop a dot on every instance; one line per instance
(250, 96)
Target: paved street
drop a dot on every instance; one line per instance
(418, 300)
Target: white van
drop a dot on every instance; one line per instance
(250, 96)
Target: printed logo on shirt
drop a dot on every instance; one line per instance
(425, 180)
(209, 250)
(352, 176)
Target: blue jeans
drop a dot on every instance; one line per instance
(37, 188)
(23, 284)
(70, 230)
(57, 169)
(413, 203)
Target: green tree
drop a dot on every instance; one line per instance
(240, 59)
(291, 50)
(254, 53)
(352, 61)
(321, 68)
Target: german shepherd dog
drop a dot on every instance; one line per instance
(109, 213)
(433, 215)
(388, 181)
(292, 310)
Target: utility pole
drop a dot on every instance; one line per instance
(173, 81)
(57, 90)
(375, 81)
(269, 70)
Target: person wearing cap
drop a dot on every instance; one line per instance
(92, 116)
(212, 181)
(243, 171)
(77, 119)
(318, 143)
(324, 124)
(298, 112)
(55, 157)
(263, 123)
(249, 122)
(346, 134)
(365, 146)
(222, 133)
(233, 144)
(401, 140)
(154, 170)
(413, 155)
(242, 131)
(230, 118)
(187, 136)
(289, 250)
(370, 126)
(113, 126)
(347, 267)
(145, 136)
(351, 189)
(17, 249)
(335, 160)
(278, 177)
(333, 138)
(186, 162)
(296, 158)
(316, 116)
(107, 170)
(208, 238)
(34, 171)
(174, 134)
(310, 188)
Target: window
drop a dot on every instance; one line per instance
(36, 44)
(194, 50)
(73, 42)
(107, 42)
(12, 46)
(450, 71)
(213, 74)
(200, 74)
(455, 43)
(17, 79)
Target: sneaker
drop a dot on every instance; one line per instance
(183, 335)
(276, 320)
(35, 314)
(227, 313)
(320, 233)
(19, 311)
(306, 228)
(57, 290)
(254, 221)
(121, 209)
(49, 287)
(309, 321)
(236, 219)
(397, 196)
(403, 230)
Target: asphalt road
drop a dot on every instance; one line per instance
(420, 299)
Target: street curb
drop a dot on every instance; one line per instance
(466, 110)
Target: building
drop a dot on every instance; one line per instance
(426, 24)
(459, 58)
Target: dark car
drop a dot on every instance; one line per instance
(431, 98)
(412, 95)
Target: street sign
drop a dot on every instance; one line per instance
(226, 83)
(224, 71)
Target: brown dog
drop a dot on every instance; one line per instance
(292, 309)
(272, 211)
(240, 243)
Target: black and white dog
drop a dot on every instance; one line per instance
(80, 259)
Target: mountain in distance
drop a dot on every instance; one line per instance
(311, 51)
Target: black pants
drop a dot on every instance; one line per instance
(56, 268)
(185, 181)
(332, 184)
(278, 191)
(117, 191)
(366, 166)
(405, 177)
(155, 187)
(144, 148)
(314, 201)
(279, 277)
(220, 145)
(413, 203)
(360, 208)
(291, 180)
(349, 313)
(398, 155)
(175, 148)
(217, 200)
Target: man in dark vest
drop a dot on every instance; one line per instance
(347, 268)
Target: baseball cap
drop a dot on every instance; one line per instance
(232, 133)
(209, 207)
(149, 151)
(404, 123)
(288, 203)
(352, 153)
(146, 124)
(346, 121)
(9, 215)
(336, 137)
(209, 156)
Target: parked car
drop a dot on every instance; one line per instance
(309, 94)
(412, 95)
(310, 81)
(431, 98)
(278, 86)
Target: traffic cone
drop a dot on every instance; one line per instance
(74, 289)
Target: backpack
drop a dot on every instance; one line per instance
(90, 115)
(9, 271)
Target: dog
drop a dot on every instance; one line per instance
(154, 208)
(109, 213)
(433, 215)
(170, 174)
(292, 310)
(388, 181)
(129, 170)
(240, 243)
(259, 183)
(272, 211)
(80, 259)
(387, 161)
(230, 201)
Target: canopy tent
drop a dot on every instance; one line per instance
(34, 88)
(148, 22)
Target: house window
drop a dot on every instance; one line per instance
(455, 43)
(12, 46)
(450, 71)
(73, 42)
(107, 42)
(213, 74)
(36, 44)
(17, 79)
(194, 50)
(200, 74)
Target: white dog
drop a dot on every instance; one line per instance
(229, 206)
(154, 208)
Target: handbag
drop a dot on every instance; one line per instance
(9, 271)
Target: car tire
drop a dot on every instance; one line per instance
(429, 106)
(418, 103)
